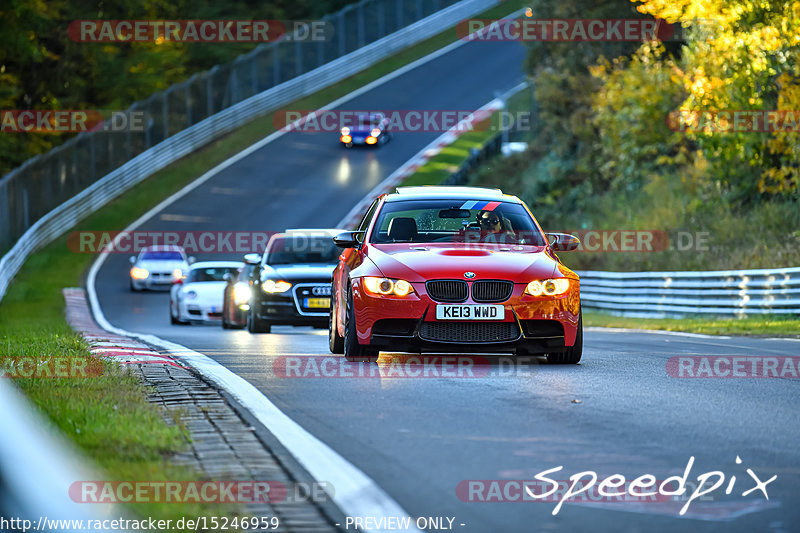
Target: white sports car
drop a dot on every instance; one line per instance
(158, 267)
(199, 296)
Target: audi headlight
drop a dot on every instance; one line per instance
(385, 286)
(139, 273)
(548, 287)
(272, 286)
(241, 293)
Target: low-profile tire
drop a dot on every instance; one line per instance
(172, 318)
(353, 351)
(572, 355)
(257, 325)
(335, 341)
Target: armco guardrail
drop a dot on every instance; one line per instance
(67, 214)
(663, 294)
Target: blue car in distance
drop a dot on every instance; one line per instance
(370, 129)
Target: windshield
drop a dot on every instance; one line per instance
(201, 275)
(302, 249)
(448, 220)
(161, 256)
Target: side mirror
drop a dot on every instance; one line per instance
(191, 259)
(348, 239)
(252, 259)
(563, 242)
(132, 259)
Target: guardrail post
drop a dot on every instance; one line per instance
(381, 19)
(341, 32)
(399, 12)
(276, 64)
(360, 18)
(298, 57)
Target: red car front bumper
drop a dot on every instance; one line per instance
(531, 324)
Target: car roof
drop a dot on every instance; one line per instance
(217, 264)
(445, 192)
(163, 248)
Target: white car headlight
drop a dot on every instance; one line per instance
(139, 273)
(548, 287)
(274, 287)
(375, 132)
(241, 293)
(345, 131)
(384, 286)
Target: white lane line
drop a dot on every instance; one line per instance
(355, 493)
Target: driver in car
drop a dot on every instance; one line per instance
(492, 229)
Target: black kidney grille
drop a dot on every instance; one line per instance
(469, 332)
(491, 291)
(447, 290)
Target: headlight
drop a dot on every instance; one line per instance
(273, 287)
(548, 287)
(139, 273)
(375, 132)
(177, 273)
(383, 286)
(345, 131)
(241, 293)
(191, 295)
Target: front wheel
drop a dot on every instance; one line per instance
(572, 355)
(257, 325)
(353, 351)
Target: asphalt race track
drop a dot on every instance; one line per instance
(618, 412)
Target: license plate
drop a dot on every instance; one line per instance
(317, 303)
(470, 312)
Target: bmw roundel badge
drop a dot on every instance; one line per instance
(469, 275)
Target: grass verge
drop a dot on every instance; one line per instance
(108, 416)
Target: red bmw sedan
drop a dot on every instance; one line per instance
(454, 269)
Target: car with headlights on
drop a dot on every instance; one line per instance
(454, 269)
(369, 129)
(198, 297)
(157, 267)
(236, 297)
(292, 284)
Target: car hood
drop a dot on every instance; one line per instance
(421, 262)
(299, 272)
(208, 292)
